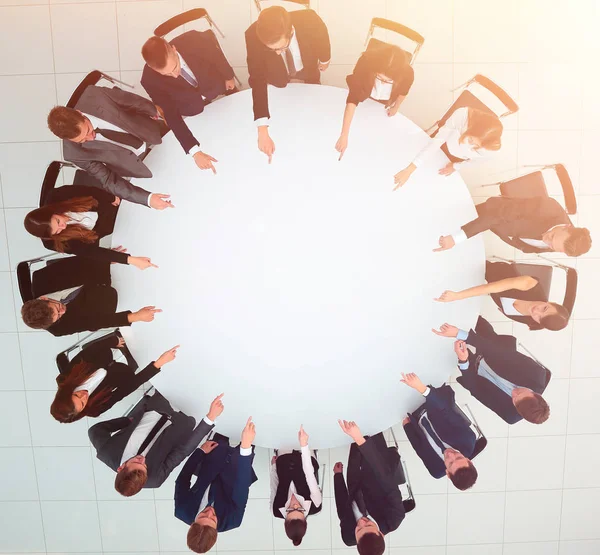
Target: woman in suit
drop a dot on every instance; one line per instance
(74, 218)
(468, 134)
(295, 492)
(95, 382)
(518, 298)
(382, 73)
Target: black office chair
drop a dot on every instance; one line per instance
(92, 78)
(470, 100)
(380, 23)
(64, 358)
(303, 3)
(52, 173)
(402, 479)
(188, 16)
(28, 285)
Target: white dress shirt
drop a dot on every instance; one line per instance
(508, 306)
(186, 68)
(433, 444)
(381, 90)
(91, 384)
(358, 514)
(141, 432)
(61, 295)
(86, 219)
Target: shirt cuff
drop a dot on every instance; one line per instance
(194, 150)
(305, 449)
(463, 365)
(245, 451)
(426, 392)
(459, 237)
(457, 165)
(262, 121)
(325, 63)
(462, 335)
(148, 200)
(208, 421)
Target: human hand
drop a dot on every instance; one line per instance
(230, 84)
(341, 145)
(209, 446)
(448, 169)
(145, 314)
(402, 176)
(166, 357)
(338, 468)
(265, 143)
(302, 437)
(446, 242)
(392, 109)
(159, 113)
(460, 348)
(216, 408)
(351, 429)
(412, 380)
(141, 262)
(273, 459)
(119, 248)
(116, 202)
(248, 434)
(406, 420)
(120, 343)
(446, 330)
(447, 297)
(205, 161)
(160, 201)
(323, 67)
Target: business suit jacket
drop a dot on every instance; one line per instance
(107, 214)
(109, 163)
(230, 475)
(518, 218)
(267, 67)
(176, 96)
(450, 427)
(173, 445)
(371, 483)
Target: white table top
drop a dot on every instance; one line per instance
(301, 289)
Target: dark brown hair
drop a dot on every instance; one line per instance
(295, 530)
(464, 477)
(558, 321)
(579, 241)
(390, 60)
(273, 24)
(37, 222)
(201, 538)
(371, 544)
(65, 122)
(533, 408)
(130, 482)
(37, 314)
(486, 126)
(156, 52)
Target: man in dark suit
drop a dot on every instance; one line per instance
(283, 47)
(439, 435)
(536, 224)
(217, 500)
(182, 77)
(106, 134)
(146, 446)
(371, 506)
(498, 376)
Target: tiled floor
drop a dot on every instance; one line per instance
(539, 491)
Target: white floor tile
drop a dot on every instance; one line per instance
(261, 489)
(585, 341)
(582, 461)
(17, 468)
(81, 516)
(588, 208)
(133, 78)
(532, 548)
(490, 423)
(475, 518)
(588, 302)
(65, 473)
(172, 532)
(317, 533)
(531, 467)
(255, 533)
(590, 146)
(532, 516)
(22, 527)
(578, 516)
(14, 421)
(117, 520)
(584, 547)
(38, 352)
(583, 418)
(432, 550)
(488, 549)
(66, 83)
(426, 525)
(335, 76)
(11, 375)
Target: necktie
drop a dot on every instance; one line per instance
(189, 78)
(289, 59)
(432, 434)
(71, 296)
(120, 137)
(211, 495)
(360, 502)
(152, 433)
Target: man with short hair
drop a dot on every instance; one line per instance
(283, 47)
(532, 225)
(144, 447)
(217, 500)
(106, 135)
(371, 506)
(183, 76)
(506, 381)
(439, 435)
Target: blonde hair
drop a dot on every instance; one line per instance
(486, 127)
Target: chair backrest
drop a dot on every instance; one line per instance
(90, 79)
(304, 3)
(570, 290)
(24, 280)
(62, 272)
(50, 178)
(567, 188)
(480, 439)
(541, 272)
(181, 19)
(395, 27)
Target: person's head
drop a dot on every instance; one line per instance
(573, 241)
(274, 28)
(41, 313)
(161, 57)
(70, 124)
(484, 130)
(550, 316)
(388, 62)
(202, 534)
(295, 523)
(459, 469)
(131, 476)
(530, 405)
(51, 222)
(369, 539)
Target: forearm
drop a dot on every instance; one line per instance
(114, 184)
(309, 474)
(348, 116)
(521, 283)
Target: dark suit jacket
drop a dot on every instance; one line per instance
(173, 445)
(231, 476)
(527, 218)
(94, 308)
(370, 476)
(108, 162)
(450, 427)
(176, 96)
(107, 214)
(501, 355)
(265, 66)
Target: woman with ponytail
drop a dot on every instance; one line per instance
(73, 220)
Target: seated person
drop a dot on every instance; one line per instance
(295, 492)
(106, 135)
(468, 134)
(440, 436)
(518, 297)
(382, 73)
(283, 47)
(217, 500)
(371, 506)
(498, 376)
(536, 224)
(144, 447)
(73, 220)
(94, 381)
(181, 77)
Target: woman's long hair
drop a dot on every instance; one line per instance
(390, 60)
(63, 409)
(486, 126)
(37, 222)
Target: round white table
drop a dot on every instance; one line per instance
(303, 288)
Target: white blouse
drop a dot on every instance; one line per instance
(381, 90)
(508, 306)
(92, 383)
(86, 219)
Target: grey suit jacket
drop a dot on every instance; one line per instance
(107, 162)
(173, 445)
